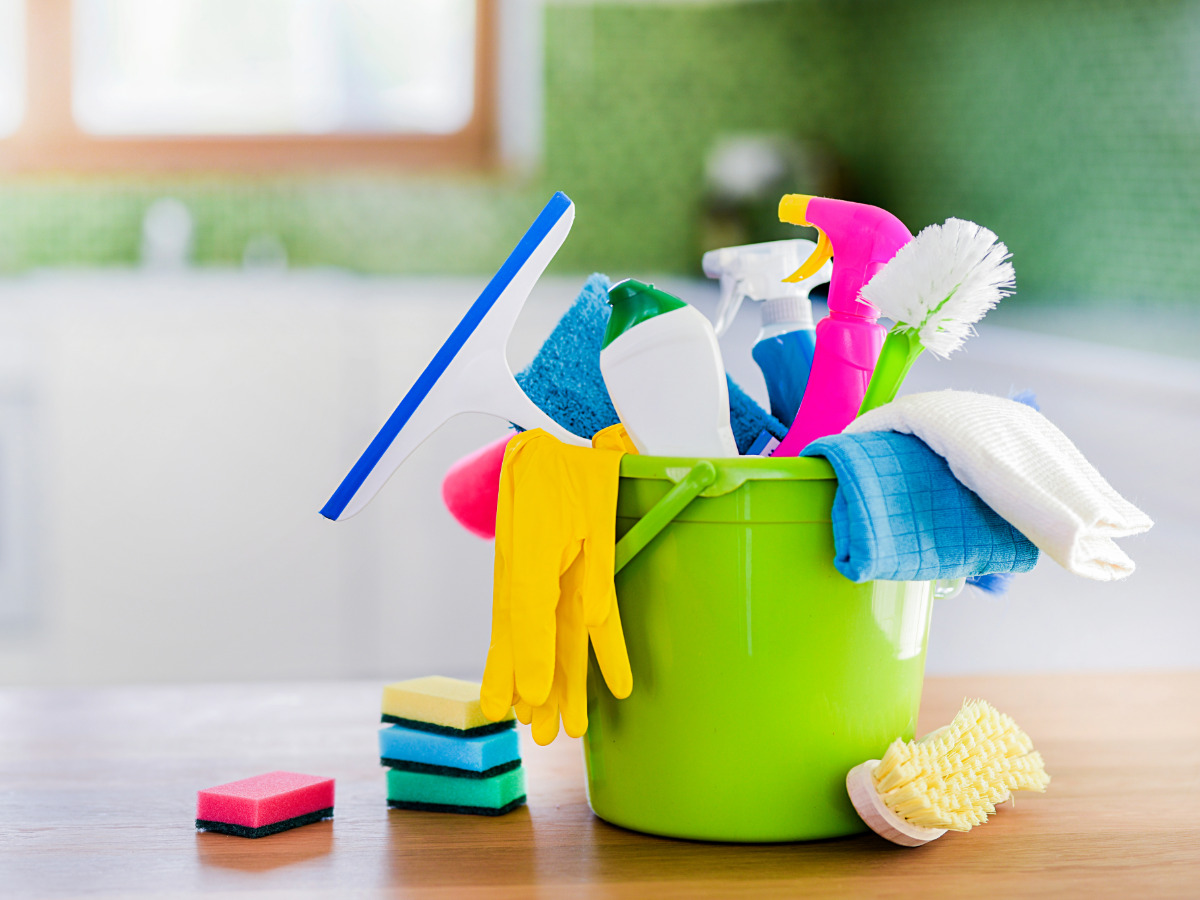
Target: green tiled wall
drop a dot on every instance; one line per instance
(636, 95)
(1072, 128)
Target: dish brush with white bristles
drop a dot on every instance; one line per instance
(935, 289)
(950, 780)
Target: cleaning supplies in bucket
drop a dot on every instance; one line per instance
(565, 380)
(664, 373)
(786, 341)
(1025, 469)
(470, 372)
(553, 585)
(861, 239)
(900, 514)
(951, 779)
(935, 289)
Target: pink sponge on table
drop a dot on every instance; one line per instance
(471, 487)
(265, 804)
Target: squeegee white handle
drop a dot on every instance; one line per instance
(470, 372)
(497, 393)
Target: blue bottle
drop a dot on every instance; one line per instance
(785, 345)
(784, 352)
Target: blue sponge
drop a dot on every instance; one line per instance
(564, 379)
(474, 757)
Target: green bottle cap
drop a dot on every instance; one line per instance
(633, 302)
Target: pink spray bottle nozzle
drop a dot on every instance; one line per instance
(862, 238)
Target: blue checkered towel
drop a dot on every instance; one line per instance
(901, 515)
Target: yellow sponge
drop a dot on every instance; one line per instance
(441, 705)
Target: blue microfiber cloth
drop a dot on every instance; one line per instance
(900, 514)
(565, 381)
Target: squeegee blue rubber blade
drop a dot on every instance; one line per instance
(547, 219)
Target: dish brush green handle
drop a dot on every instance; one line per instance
(900, 350)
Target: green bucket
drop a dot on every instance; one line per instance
(761, 675)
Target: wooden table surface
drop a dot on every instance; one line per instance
(98, 786)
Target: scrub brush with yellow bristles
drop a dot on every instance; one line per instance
(950, 780)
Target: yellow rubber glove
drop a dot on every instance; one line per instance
(498, 683)
(553, 584)
(568, 693)
(614, 437)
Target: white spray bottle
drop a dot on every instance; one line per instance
(785, 345)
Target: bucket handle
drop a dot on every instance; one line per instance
(660, 515)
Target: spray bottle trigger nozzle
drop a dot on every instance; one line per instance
(819, 257)
(733, 292)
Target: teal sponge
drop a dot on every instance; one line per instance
(493, 796)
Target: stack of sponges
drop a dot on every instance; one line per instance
(443, 754)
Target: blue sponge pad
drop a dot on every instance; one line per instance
(565, 381)
(475, 754)
(564, 378)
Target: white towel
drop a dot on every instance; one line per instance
(1026, 470)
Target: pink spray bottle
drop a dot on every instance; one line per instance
(861, 239)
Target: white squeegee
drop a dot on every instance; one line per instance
(470, 372)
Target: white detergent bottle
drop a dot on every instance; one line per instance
(664, 374)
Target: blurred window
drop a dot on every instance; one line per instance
(12, 65)
(249, 67)
(140, 86)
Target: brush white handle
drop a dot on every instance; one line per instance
(860, 784)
